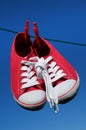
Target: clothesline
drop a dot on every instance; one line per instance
(50, 39)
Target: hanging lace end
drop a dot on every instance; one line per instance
(53, 103)
(56, 108)
(50, 104)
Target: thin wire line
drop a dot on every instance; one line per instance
(54, 40)
(7, 30)
(67, 42)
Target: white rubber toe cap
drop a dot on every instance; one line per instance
(33, 97)
(66, 88)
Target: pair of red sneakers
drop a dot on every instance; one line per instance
(39, 73)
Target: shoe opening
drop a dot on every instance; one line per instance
(22, 45)
(41, 47)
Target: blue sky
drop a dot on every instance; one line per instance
(57, 19)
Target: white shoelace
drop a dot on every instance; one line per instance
(46, 69)
(29, 78)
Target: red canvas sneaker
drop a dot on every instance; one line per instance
(26, 88)
(61, 79)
